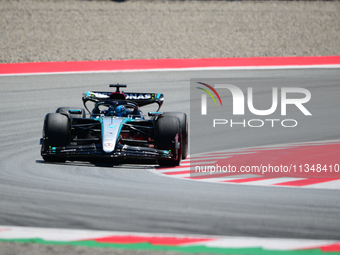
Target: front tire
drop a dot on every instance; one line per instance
(168, 136)
(184, 127)
(56, 134)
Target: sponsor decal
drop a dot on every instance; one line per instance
(137, 96)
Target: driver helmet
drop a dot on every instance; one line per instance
(110, 111)
(121, 111)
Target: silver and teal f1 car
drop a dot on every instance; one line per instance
(115, 129)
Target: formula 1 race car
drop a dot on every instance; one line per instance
(115, 129)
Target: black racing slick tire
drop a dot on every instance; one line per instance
(184, 126)
(168, 136)
(56, 134)
(74, 111)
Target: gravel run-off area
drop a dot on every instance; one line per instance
(66, 30)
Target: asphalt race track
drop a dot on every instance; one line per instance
(127, 197)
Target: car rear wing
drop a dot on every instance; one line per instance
(141, 99)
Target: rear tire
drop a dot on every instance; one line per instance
(184, 126)
(56, 134)
(167, 130)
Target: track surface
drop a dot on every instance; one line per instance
(131, 198)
